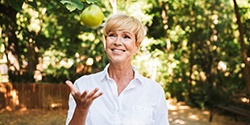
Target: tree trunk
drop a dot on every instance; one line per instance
(32, 58)
(243, 47)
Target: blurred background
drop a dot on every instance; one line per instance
(198, 50)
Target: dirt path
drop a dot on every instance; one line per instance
(179, 114)
(33, 117)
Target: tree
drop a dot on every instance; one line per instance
(37, 27)
(243, 47)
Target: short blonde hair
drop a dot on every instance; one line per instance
(124, 22)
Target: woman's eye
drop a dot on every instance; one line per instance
(111, 35)
(127, 37)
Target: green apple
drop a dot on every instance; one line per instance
(92, 16)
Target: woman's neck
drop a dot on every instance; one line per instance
(120, 72)
(121, 75)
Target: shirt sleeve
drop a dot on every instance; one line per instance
(72, 103)
(161, 112)
(71, 109)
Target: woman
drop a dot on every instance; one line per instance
(118, 95)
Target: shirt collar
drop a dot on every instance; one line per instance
(138, 76)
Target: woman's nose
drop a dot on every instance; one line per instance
(118, 40)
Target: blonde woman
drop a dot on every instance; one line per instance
(118, 95)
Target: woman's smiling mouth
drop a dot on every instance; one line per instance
(118, 50)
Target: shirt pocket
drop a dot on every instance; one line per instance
(141, 115)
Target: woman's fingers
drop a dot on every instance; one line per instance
(97, 95)
(71, 86)
(85, 98)
(91, 94)
(83, 95)
(94, 94)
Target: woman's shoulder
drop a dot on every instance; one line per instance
(150, 82)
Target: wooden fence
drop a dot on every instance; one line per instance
(46, 96)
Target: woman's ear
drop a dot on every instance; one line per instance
(137, 49)
(104, 42)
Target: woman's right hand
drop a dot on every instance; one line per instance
(85, 99)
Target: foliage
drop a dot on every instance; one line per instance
(191, 48)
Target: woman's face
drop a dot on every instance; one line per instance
(120, 46)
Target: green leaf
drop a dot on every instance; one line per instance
(71, 5)
(90, 1)
(65, 1)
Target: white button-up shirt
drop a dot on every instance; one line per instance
(142, 102)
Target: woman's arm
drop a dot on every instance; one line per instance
(83, 102)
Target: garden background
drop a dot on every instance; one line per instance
(198, 50)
